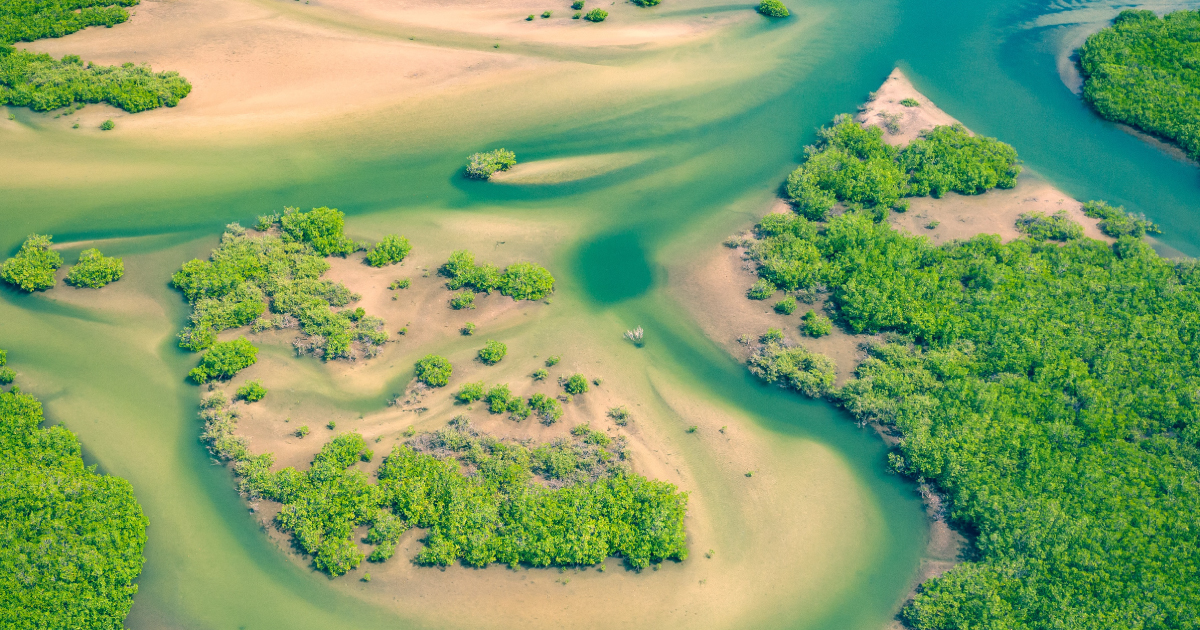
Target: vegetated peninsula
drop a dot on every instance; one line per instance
(1141, 71)
(72, 538)
(42, 83)
(1046, 386)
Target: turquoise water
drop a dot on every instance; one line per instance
(718, 150)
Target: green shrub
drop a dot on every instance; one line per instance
(223, 360)
(302, 431)
(322, 228)
(545, 14)
(251, 392)
(43, 83)
(620, 415)
(434, 371)
(547, 408)
(646, 3)
(462, 300)
(484, 165)
(7, 375)
(520, 281)
(497, 398)
(470, 392)
(807, 372)
(576, 384)
(400, 283)
(468, 329)
(577, 4)
(540, 374)
(527, 19)
(32, 269)
(773, 335)
(391, 250)
(1115, 222)
(95, 270)
(108, 125)
(1141, 71)
(526, 281)
(761, 290)
(492, 352)
(73, 539)
(786, 306)
(910, 102)
(553, 360)
(816, 325)
(596, 15)
(1059, 227)
(772, 8)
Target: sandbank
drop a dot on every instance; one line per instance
(562, 170)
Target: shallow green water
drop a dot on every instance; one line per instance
(718, 152)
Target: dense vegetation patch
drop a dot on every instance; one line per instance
(72, 540)
(520, 281)
(391, 250)
(596, 15)
(484, 165)
(223, 360)
(1144, 71)
(1056, 227)
(853, 165)
(492, 352)
(43, 83)
(1114, 221)
(95, 270)
(433, 370)
(32, 269)
(772, 8)
(1050, 391)
(280, 272)
(482, 500)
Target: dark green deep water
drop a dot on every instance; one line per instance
(991, 64)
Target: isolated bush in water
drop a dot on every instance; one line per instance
(95, 270)
(434, 371)
(223, 360)
(32, 269)
(773, 8)
(484, 165)
(391, 250)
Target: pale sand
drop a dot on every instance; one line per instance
(912, 120)
(562, 170)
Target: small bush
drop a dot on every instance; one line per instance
(492, 352)
(497, 398)
(540, 374)
(331, 425)
(322, 228)
(467, 330)
(1115, 222)
(577, 4)
(484, 165)
(223, 360)
(576, 385)
(527, 19)
(547, 408)
(809, 373)
(251, 392)
(816, 325)
(619, 415)
(470, 392)
(1059, 227)
(761, 290)
(302, 431)
(95, 270)
(32, 269)
(108, 125)
(596, 15)
(553, 360)
(646, 3)
(400, 283)
(910, 102)
(462, 300)
(434, 371)
(518, 409)
(391, 250)
(786, 306)
(772, 8)
(693, 429)
(7, 375)
(545, 14)
(773, 335)
(577, 15)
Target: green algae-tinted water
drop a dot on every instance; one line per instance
(718, 150)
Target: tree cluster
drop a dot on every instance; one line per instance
(1048, 390)
(852, 165)
(484, 165)
(1142, 71)
(42, 83)
(72, 538)
(249, 275)
(95, 270)
(520, 281)
(32, 269)
(772, 8)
